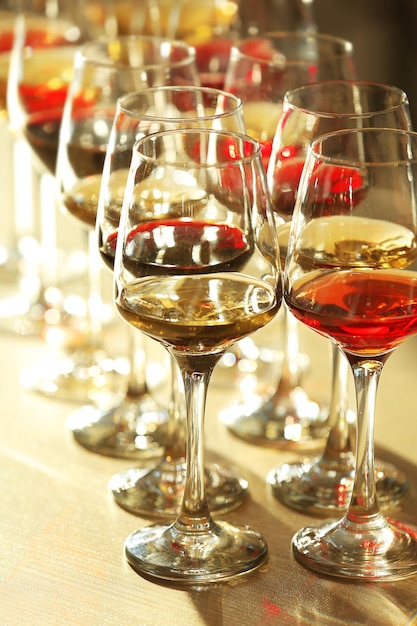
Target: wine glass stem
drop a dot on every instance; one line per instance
(137, 358)
(364, 501)
(94, 305)
(175, 442)
(194, 509)
(48, 241)
(339, 447)
(290, 374)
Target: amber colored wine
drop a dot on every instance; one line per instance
(185, 246)
(198, 314)
(367, 311)
(341, 241)
(82, 200)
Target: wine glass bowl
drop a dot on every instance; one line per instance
(196, 269)
(349, 276)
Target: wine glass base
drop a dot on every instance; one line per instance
(134, 429)
(385, 554)
(222, 552)
(296, 422)
(85, 376)
(315, 490)
(158, 492)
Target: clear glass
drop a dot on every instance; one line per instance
(350, 276)
(261, 70)
(158, 490)
(206, 190)
(104, 71)
(41, 59)
(323, 486)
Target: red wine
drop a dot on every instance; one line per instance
(198, 314)
(181, 246)
(42, 133)
(367, 311)
(86, 150)
(212, 58)
(40, 97)
(332, 184)
(107, 248)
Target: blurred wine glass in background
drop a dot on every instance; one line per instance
(105, 70)
(157, 491)
(44, 39)
(261, 70)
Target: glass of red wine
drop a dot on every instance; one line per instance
(196, 269)
(350, 276)
(157, 491)
(323, 486)
(261, 70)
(105, 70)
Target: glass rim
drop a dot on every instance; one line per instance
(241, 160)
(180, 88)
(346, 46)
(315, 152)
(288, 103)
(86, 51)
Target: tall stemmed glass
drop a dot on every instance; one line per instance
(41, 61)
(349, 276)
(196, 268)
(324, 485)
(158, 490)
(260, 71)
(104, 70)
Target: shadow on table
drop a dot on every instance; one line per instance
(283, 592)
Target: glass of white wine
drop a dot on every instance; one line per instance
(196, 269)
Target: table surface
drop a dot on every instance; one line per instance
(62, 534)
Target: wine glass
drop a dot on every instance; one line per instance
(261, 70)
(349, 276)
(324, 485)
(158, 490)
(196, 268)
(210, 26)
(104, 70)
(42, 52)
